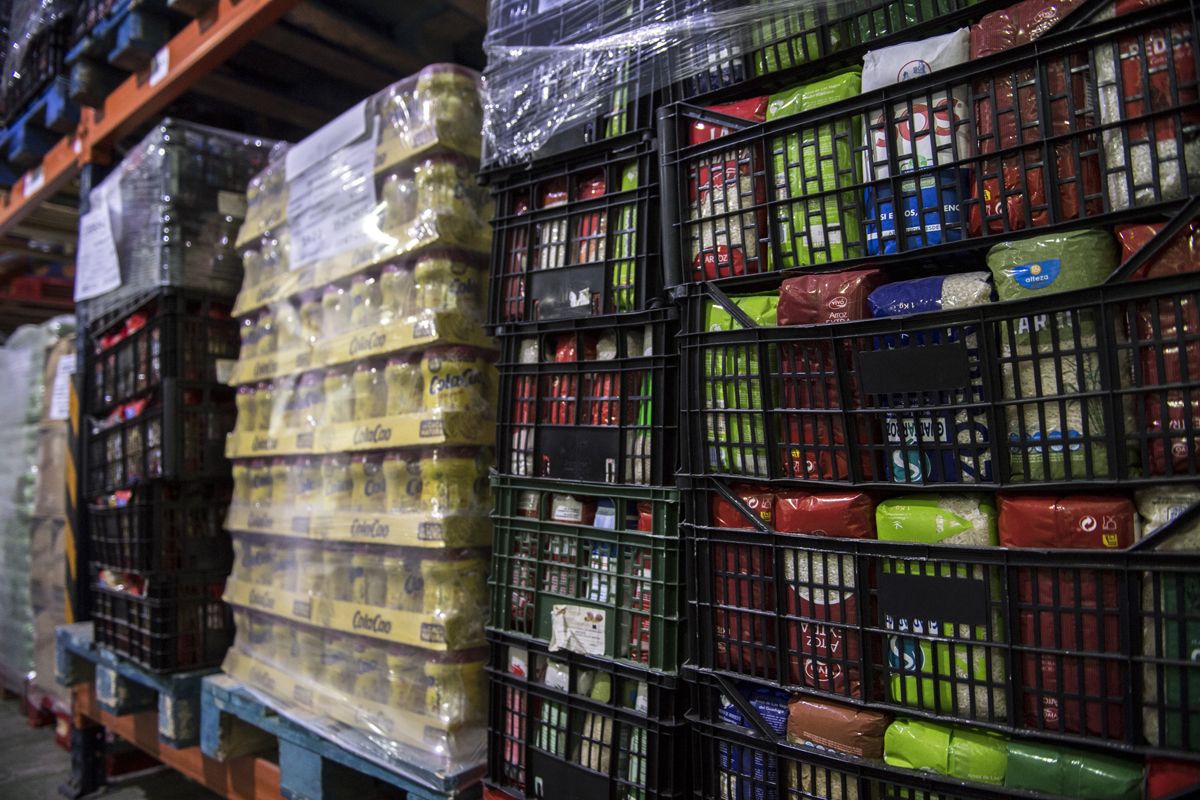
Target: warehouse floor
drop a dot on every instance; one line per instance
(32, 767)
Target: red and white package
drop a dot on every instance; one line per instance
(516, 261)
(724, 241)
(550, 245)
(1070, 611)
(590, 228)
(1167, 330)
(823, 603)
(1016, 186)
(759, 499)
(744, 609)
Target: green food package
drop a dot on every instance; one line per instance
(1058, 262)
(736, 436)
(949, 677)
(970, 755)
(817, 159)
(1171, 633)
(1050, 769)
(785, 40)
(1067, 362)
(625, 249)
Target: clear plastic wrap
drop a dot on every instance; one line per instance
(173, 206)
(35, 47)
(26, 433)
(366, 398)
(561, 74)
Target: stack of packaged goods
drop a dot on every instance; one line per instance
(586, 626)
(949, 553)
(38, 360)
(366, 396)
(154, 290)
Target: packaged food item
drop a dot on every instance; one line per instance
(312, 313)
(370, 484)
(453, 479)
(247, 414)
(456, 379)
(529, 504)
(310, 399)
(366, 300)
(827, 297)
(746, 772)
(370, 391)
(335, 311)
(405, 385)
(1179, 256)
(279, 482)
(402, 473)
(448, 282)
(1017, 187)
(725, 239)
(744, 609)
(1166, 778)
(339, 395)
(242, 489)
(1051, 263)
(931, 129)
(846, 729)
(248, 334)
(308, 482)
(265, 334)
(399, 197)
(1070, 610)
(759, 500)
(948, 675)
(264, 406)
(964, 753)
(935, 293)
(260, 483)
(337, 483)
(822, 222)
(1158, 505)
(1066, 772)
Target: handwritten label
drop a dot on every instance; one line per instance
(578, 629)
(346, 128)
(97, 270)
(60, 394)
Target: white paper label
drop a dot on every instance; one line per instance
(231, 204)
(331, 208)
(578, 629)
(558, 676)
(34, 179)
(97, 270)
(348, 127)
(60, 392)
(160, 66)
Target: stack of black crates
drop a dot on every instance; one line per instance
(998, 671)
(587, 626)
(155, 411)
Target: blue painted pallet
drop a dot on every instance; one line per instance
(37, 129)
(125, 688)
(128, 37)
(311, 766)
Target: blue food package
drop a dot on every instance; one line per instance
(942, 446)
(747, 773)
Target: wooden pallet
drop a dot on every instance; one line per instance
(123, 688)
(235, 722)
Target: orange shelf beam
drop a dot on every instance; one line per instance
(198, 49)
(245, 778)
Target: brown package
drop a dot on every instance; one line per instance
(855, 731)
(829, 297)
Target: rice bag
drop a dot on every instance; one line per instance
(1070, 610)
(1166, 778)
(743, 591)
(815, 442)
(970, 755)
(1158, 505)
(724, 238)
(760, 501)
(948, 446)
(822, 597)
(1179, 256)
(930, 129)
(842, 729)
(949, 674)
(733, 385)
(746, 773)
(1149, 73)
(1050, 412)
(1008, 113)
(1065, 772)
(816, 168)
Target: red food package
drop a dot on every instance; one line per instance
(823, 602)
(725, 240)
(550, 243)
(1015, 186)
(645, 517)
(516, 261)
(1070, 611)
(1167, 331)
(759, 500)
(848, 514)
(744, 609)
(1092, 522)
(590, 228)
(1166, 778)
(1179, 256)
(827, 297)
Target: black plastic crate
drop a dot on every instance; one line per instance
(88, 14)
(1084, 645)
(175, 432)
(958, 398)
(1079, 126)
(552, 577)
(590, 401)
(739, 753)
(169, 622)
(172, 334)
(163, 526)
(567, 726)
(579, 238)
(42, 60)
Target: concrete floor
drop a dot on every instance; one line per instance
(32, 767)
